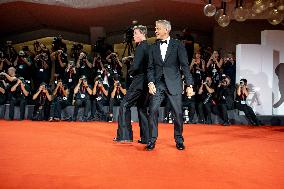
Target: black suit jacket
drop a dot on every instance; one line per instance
(138, 69)
(175, 61)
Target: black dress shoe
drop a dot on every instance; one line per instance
(120, 140)
(180, 146)
(141, 141)
(150, 146)
(226, 123)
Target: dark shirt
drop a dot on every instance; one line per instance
(83, 93)
(230, 70)
(18, 93)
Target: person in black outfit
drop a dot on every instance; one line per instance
(82, 93)
(20, 91)
(61, 100)
(229, 68)
(70, 75)
(41, 69)
(137, 92)
(42, 100)
(116, 96)
(23, 66)
(100, 98)
(60, 61)
(240, 102)
(205, 100)
(225, 96)
(166, 58)
(2, 91)
(84, 67)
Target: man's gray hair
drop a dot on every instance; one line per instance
(141, 28)
(165, 23)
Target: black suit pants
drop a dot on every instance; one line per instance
(176, 108)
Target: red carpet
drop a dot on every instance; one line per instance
(79, 155)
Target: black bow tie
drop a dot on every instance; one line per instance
(165, 41)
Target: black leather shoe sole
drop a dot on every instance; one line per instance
(180, 146)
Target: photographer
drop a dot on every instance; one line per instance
(229, 68)
(42, 100)
(10, 55)
(42, 69)
(240, 102)
(19, 93)
(82, 93)
(205, 100)
(58, 43)
(61, 101)
(23, 66)
(114, 62)
(97, 62)
(70, 75)
(117, 94)
(225, 96)
(2, 91)
(76, 50)
(197, 68)
(100, 92)
(84, 67)
(11, 76)
(60, 61)
(213, 67)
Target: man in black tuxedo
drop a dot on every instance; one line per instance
(137, 92)
(167, 58)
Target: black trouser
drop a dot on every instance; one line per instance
(222, 110)
(15, 101)
(113, 102)
(176, 107)
(2, 99)
(82, 103)
(124, 131)
(57, 107)
(249, 113)
(98, 108)
(204, 110)
(41, 112)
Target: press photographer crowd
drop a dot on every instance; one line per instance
(51, 80)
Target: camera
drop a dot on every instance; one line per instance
(21, 53)
(129, 35)
(118, 84)
(99, 79)
(242, 83)
(75, 50)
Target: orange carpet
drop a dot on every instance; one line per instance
(79, 155)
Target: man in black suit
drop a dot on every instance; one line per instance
(167, 58)
(137, 92)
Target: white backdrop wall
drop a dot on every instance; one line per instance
(261, 66)
(254, 63)
(275, 40)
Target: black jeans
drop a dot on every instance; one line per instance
(57, 107)
(17, 101)
(82, 103)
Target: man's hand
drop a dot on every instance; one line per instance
(189, 91)
(152, 88)
(100, 85)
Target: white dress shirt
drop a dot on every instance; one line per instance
(164, 47)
